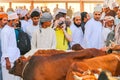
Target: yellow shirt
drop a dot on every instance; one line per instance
(62, 42)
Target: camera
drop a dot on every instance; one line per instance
(61, 23)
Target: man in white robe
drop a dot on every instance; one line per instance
(10, 52)
(24, 20)
(109, 26)
(35, 15)
(44, 37)
(3, 21)
(77, 33)
(93, 30)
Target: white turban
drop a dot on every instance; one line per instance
(108, 18)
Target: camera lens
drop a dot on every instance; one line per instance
(60, 23)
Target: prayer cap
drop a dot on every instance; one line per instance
(46, 17)
(114, 4)
(98, 8)
(12, 16)
(105, 6)
(76, 14)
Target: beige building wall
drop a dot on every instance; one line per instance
(77, 5)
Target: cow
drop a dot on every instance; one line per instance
(24, 59)
(43, 52)
(109, 62)
(53, 67)
(75, 47)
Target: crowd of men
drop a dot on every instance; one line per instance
(56, 32)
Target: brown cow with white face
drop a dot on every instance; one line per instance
(109, 62)
(54, 67)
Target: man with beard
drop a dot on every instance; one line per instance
(77, 33)
(10, 52)
(93, 30)
(3, 21)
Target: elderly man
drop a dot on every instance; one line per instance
(44, 37)
(3, 21)
(77, 34)
(93, 30)
(10, 52)
(109, 27)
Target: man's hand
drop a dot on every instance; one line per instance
(8, 64)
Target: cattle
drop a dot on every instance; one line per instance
(43, 52)
(21, 62)
(75, 47)
(109, 62)
(53, 67)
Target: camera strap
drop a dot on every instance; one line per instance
(64, 40)
(64, 37)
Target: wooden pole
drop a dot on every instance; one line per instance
(81, 6)
(32, 5)
(66, 5)
(10, 4)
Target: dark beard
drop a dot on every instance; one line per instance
(77, 25)
(17, 25)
